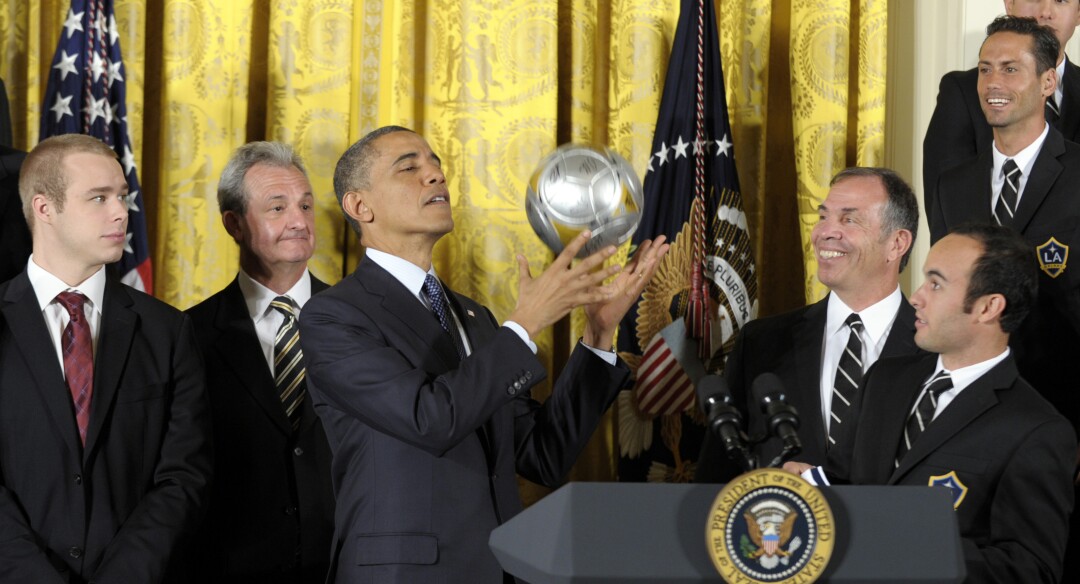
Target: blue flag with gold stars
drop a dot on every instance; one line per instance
(86, 95)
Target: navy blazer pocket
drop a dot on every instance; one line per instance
(397, 548)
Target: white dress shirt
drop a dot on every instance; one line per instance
(877, 321)
(268, 320)
(47, 286)
(1025, 160)
(961, 378)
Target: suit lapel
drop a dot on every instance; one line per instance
(118, 322)
(31, 337)
(400, 303)
(890, 415)
(240, 349)
(807, 336)
(1044, 173)
(969, 405)
(1070, 95)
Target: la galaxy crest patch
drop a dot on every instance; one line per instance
(1053, 255)
(952, 482)
(770, 526)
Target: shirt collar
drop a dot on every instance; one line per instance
(409, 274)
(964, 376)
(1024, 159)
(877, 318)
(258, 297)
(47, 286)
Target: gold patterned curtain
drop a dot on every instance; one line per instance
(493, 86)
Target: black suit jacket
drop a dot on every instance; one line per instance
(116, 510)
(1005, 443)
(425, 444)
(789, 345)
(15, 240)
(958, 130)
(271, 513)
(1047, 345)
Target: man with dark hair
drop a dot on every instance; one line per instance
(105, 455)
(272, 508)
(1029, 180)
(964, 419)
(958, 129)
(425, 398)
(862, 241)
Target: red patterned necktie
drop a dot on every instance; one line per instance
(78, 350)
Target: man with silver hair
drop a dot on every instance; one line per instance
(271, 511)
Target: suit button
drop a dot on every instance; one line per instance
(290, 510)
(75, 553)
(298, 451)
(517, 385)
(78, 479)
(528, 375)
(510, 390)
(494, 476)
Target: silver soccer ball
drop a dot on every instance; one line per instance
(580, 187)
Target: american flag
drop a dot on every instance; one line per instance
(705, 287)
(86, 95)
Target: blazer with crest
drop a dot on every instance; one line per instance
(1048, 343)
(789, 345)
(271, 512)
(1009, 452)
(116, 510)
(426, 445)
(958, 130)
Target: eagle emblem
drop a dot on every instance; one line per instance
(770, 525)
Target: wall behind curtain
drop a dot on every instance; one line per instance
(493, 86)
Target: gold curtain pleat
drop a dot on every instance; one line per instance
(822, 46)
(493, 87)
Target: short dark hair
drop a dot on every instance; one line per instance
(1045, 46)
(1006, 267)
(354, 167)
(902, 209)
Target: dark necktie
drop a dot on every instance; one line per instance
(1010, 194)
(289, 368)
(924, 412)
(1053, 112)
(434, 292)
(849, 374)
(77, 347)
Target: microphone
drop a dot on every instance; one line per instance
(723, 419)
(782, 419)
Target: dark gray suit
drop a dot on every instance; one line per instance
(271, 512)
(1006, 444)
(426, 445)
(116, 510)
(789, 345)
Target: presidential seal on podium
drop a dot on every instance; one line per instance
(769, 526)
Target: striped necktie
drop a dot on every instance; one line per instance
(289, 368)
(849, 374)
(1010, 194)
(924, 412)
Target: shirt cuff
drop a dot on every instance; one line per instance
(609, 356)
(816, 476)
(520, 331)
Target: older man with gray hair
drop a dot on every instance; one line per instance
(271, 512)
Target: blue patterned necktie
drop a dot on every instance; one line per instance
(434, 292)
